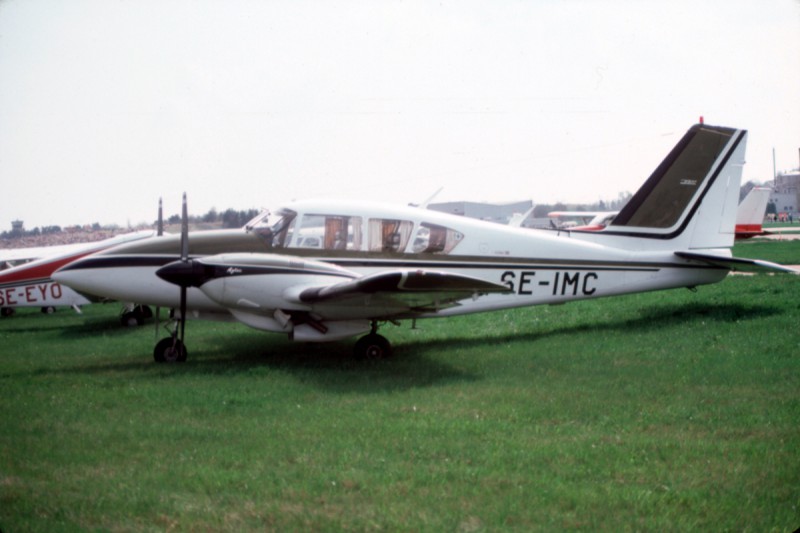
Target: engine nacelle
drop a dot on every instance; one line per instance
(335, 331)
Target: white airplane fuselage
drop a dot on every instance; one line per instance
(521, 259)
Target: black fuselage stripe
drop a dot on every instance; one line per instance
(109, 262)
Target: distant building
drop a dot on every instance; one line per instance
(17, 228)
(499, 213)
(786, 192)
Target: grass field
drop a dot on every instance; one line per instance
(669, 411)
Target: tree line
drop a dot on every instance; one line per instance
(230, 218)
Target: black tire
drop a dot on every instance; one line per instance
(143, 311)
(130, 319)
(7, 311)
(169, 350)
(49, 310)
(372, 346)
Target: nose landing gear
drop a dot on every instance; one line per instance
(170, 350)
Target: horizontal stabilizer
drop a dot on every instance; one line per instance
(737, 263)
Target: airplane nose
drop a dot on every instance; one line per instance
(191, 273)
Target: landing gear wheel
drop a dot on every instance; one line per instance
(372, 346)
(169, 350)
(136, 316)
(49, 310)
(130, 319)
(7, 311)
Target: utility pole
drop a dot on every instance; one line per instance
(774, 172)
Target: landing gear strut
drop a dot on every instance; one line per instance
(372, 345)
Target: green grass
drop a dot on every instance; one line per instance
(785, 252)
(667, 411)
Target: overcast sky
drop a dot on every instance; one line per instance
(107, 105)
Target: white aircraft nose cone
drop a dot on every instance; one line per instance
(75, 278)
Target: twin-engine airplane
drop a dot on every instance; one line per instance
(323, 271)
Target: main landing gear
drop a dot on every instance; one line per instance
(135, 316)
(372, 345)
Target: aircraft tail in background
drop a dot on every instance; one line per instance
(751, 213)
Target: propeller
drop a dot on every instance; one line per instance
(181, 273)
(159, 233)
(184, 261)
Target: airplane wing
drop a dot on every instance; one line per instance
(16, 256)
(413, 290)
(737, 263)
(259, 283)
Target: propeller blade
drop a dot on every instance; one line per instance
(184, 231)
(183, 313)
(160, 224)
(185, 262)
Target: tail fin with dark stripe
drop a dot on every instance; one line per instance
(691, 199)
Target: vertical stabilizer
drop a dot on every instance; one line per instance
(750, 216)
(691, 199)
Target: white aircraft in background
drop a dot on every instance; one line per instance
(30, 284)
(590, 220)
(752, 210)
(384, 263)
(517, 219)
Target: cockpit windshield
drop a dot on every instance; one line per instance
(274, 229)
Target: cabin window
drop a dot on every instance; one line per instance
(329, 232)
(435, 239)
(387, 235)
